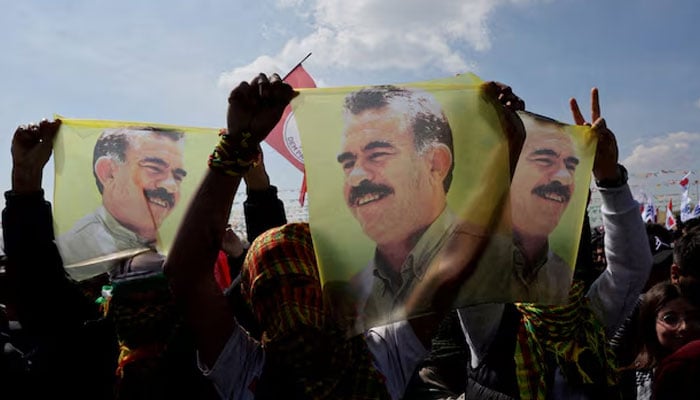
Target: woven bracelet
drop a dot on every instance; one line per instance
(233, 160)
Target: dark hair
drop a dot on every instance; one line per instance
(429, 123)
(686, 253)
(114, 142)
(650, 350)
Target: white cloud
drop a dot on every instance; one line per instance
(674, 151)
(383, 34)
(263, 64)
(697, 103)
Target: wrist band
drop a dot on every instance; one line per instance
(614, 183)
(234, 159)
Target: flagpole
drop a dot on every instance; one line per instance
(296, 66)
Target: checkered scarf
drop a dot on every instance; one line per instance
(280, 283)
(570, 333)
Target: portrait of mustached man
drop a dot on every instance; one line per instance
(138, 172)
(542, 187)
(397, 159)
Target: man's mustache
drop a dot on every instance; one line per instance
(161, 194)
(555, 188)
(366, 187)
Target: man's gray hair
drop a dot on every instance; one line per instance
(429, 123)
(113, 143)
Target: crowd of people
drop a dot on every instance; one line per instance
(218, 319)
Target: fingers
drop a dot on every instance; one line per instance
(595, 105)
(281, 92)
(599, 124)
(504, 94)
(576, 112)
(605, 135)
(510, 99)
(274, 78)
(515, 103)
(270, 90)
(44, 131)
(600, 127)
(595, 109)
(239, 93)
(261, 86)
(490, 89)
(48, 130)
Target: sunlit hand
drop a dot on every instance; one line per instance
(31, 149)
(257, 179)
(606, 157)
(256, 108)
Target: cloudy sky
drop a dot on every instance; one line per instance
(175, 62)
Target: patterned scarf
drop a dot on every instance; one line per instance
(572, 335)
(281, 285)
(145, 317)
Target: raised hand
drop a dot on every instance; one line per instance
(606, 157)
(31, 149)
(257, 178)
(256, 108)
(231, 243)
(510, 121)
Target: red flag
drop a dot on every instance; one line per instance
(302, 192)
(684, 181)
(285, 136)
(670, 219)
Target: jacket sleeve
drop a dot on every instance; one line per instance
(263, 210)
(614, 293)
(46, 298)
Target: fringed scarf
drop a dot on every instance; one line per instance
(571, 334)
(281, 285)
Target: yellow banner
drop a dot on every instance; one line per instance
(403, 181)
(395, 173)
(122, 187)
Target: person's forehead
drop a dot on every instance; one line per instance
(377, 124)
(151, 141)
(678, 304)
(555, 140)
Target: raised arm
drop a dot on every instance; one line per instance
(253, 111)
(262, 208)
(34, 264)
(614, 294)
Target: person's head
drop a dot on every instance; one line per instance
(690, 224)
(669, 317)
(397, 157)
(661, 246)
(280, 284)
(685, 269)
(138, 171)
(543, 183)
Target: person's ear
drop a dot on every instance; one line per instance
(105, 170)
(675, 273)
(440, 161)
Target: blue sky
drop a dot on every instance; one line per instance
(175, 62)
